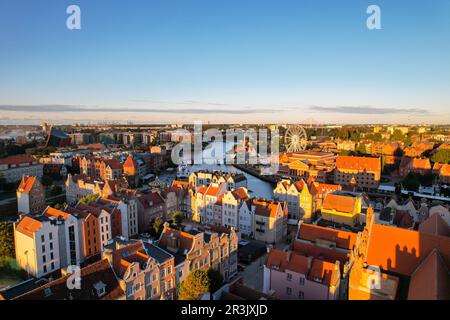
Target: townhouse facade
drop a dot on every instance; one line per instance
(270, 220)
(361, 172)
(30, 195)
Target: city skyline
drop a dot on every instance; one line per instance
(233, 62)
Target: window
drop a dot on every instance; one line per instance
(302, 281)
(45, 269)
(52, 267)
(50, 236)
(137, 287)
(44, 259)
(43, 248)
(169, 270)
(51, 245)
(51, 256)
(288, 291)
(289, 277)
(129, 291)
(301, 295)
(42, 238)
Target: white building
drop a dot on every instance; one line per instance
(37, 245)
(15, 167)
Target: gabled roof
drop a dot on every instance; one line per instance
(445, 170)
(27, 183)
(21, 159)
(339, 203)
(52, 212)
(282, 261)
(358, 163)
(436, 225)
(29, 226)
(265, 208)
(402, 250)
(98, 272)
(321, 188)
(431, 279)
(421, 163)
(343, 239)
(321, 270)
(240, 194)
(186, 240)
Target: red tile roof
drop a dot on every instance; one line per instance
(26, 184)
(21, 159)
(98, 272)
(435, 225)
(322, 270)
(50, 211)
(401, 250)
(358, 163)
(339, 203)
(431, 279)
(343, 239)
(282, 261)
(28, 226)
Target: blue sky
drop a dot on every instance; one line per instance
(225, 61)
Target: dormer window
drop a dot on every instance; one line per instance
(47, 292)
(100, 289)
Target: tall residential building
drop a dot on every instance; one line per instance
(37, 245)
(204, 201)
(270, 220)
(79, 186)
(231, 203)
(30, 195)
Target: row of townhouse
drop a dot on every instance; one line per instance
(205, 178)
(261, 219)
(303, 199)
(101, 169)
(13, 168)
(140, 270)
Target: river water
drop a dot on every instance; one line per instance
(256, 186)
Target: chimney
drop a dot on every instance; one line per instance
(288, 255)
(310, 259)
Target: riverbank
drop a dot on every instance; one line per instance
(253, 172)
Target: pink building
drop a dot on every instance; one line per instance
(292, 276)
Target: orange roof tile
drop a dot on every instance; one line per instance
(321, 270)
(339, 203)
(282, 260)
(358, 163)
(401, 250)
(50, 211)
(26, 184)
(445, 170)
(28, 226)
(431, 279)
(421, 163)
(343, 239)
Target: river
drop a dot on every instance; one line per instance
(256, 186)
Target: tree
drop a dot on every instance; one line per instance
(157, 226)
(60, 206)
(397, 135)
(88, 199)
(46, 181)
(6, 240)
(441, 156)
(215, 280)
(178, 218)
(195, 284)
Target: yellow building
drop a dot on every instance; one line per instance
(342, 208)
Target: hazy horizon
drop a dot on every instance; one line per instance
(225, 62)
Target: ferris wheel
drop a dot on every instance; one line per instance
(295, 138)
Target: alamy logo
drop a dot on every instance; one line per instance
(74, 280)
(374, 278)
(74, 20)
(374, 20)
(239, 147)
